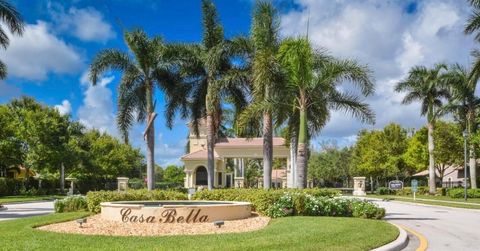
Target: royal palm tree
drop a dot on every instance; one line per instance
(266, 75)
(12, 19)
(211, 77)
(464, 104)
(473, 23)
(427, 86)
(312, 81)
(146, 67)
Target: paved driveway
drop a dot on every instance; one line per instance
(22, 210)
(444, 228)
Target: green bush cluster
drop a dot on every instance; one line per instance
(95, 198)
(384, 191)
(7, 186)
(261, 199)
(71, 204)
(306, 204)
(460, 193)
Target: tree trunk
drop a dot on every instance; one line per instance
(302, 150)
(431, 161)
(150, 141)
(267, 150)
(293, 160)
(210, 149)
(62, 179)
(473, 167)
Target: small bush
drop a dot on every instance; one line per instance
(136, 183)
(460, 193)
(95, 198)
(261, 199)
(323, 206)
(383, 191)
(71, 204)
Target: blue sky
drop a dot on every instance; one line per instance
(50, 61)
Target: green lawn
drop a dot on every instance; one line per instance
(290, 233)
(439, 200)
(22, 198)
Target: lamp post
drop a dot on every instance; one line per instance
(465, 135)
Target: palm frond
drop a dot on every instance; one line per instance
(106, 60)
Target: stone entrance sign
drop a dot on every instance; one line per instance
(359, 186)
(71, 191)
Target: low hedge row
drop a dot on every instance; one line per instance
(261, 199)
(94, 198)
(71, 204)
(306, 204)
(460, 193)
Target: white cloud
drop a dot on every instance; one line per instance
(97, 108)
(86, 24)
(390, 40)
(38, 52)
(168, 154)
(64, 108)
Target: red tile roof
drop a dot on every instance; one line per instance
(246, 142)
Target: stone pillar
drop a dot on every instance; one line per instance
(71, 191)
(359, 186)
(122, 184)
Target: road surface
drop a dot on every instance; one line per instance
(22, 210)
(444, 228)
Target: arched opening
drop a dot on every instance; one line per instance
(201, 176)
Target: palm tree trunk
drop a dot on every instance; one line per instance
(150, 142)
(302, 150)
(210, 149)
(431, 161)
(267, 149)
(473, 167)
(293, 151)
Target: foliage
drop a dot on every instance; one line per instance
(383, 190)
(12, 19)
(95, 198)
(460, 193)
(260, 199)
(306, 204)
(8, 186)
(174, 174)
(330, 166)
(71, 204)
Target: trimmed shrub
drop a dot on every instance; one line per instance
(383, 191)
(261, 199)
(460, 193)
(9, 186)
(71, 204)
(136, 183)
(289, 204)
(95, 198)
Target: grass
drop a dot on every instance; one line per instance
(25, 198)
(439, 200)
(290, 233)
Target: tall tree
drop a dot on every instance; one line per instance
(266, 75)
(211, 77)
(464, 104)
(425, 85)
(313, 78)
(13, 20)
(148, 69)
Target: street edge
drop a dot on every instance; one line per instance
(430, 205)
(398, 244)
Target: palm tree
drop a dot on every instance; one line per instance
(313, 78)
(211, 77)
(150, 67)
(12, 19)
(266, 74)
(464, 104)
(473, 23)
(425, 85)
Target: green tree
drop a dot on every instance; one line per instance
(330, 165)
(174, 174)
(313, 78)
(464, 105)
(13, 20)
(426, 86)
(212, 78)
(150, 67)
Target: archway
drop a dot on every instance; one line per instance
(201, 176)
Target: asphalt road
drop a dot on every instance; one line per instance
(22, 210)
(444, 228)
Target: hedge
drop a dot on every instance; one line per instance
(460, 193)
(261, 199)
(94, 198)
(71, 204)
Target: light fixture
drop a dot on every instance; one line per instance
(218, 223)
(81, 221)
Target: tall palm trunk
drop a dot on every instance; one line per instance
(267, 149)
(210, 149)
(150, 141)
(293, 160)
(302, 149)
(431, 160)
(472, 160)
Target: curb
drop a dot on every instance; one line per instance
(438, 206)
(398, 244)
